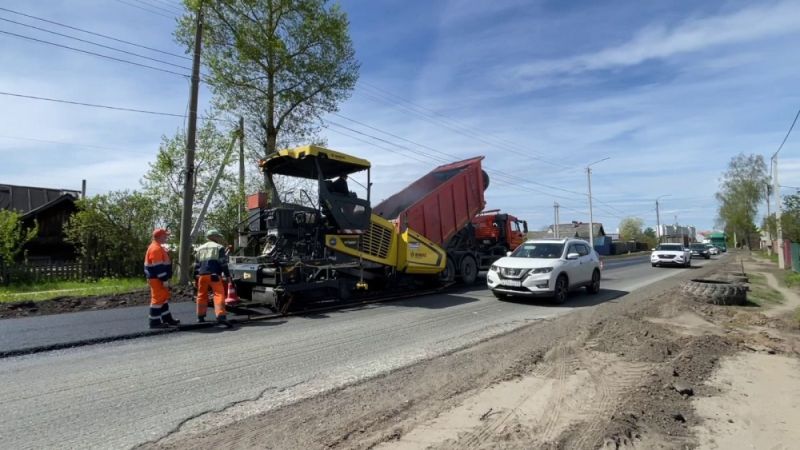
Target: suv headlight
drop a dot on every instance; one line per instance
(493, 268)
(542, 270)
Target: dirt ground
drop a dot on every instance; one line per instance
(72, 304)
(654, 369)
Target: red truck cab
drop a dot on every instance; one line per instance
(495, 230)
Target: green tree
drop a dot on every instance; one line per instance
(790, 219)
(163, 182)
(13, 236)
(112, 231)
(630, 228)
(742, 188)
(649, 236)
(282, 64)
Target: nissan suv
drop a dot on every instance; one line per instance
(546, 267)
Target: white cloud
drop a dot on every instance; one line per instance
(660, 41)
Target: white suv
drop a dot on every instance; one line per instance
(671, 255)
(548, 267)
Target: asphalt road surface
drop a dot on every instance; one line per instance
(126, 393)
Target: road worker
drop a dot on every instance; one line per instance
(158, 270)
(211, 263)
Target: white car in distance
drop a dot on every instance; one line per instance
(671, 255)
(546, 267)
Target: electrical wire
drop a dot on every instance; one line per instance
(97, 44)
(94, 54)
(115, 108)
(787, 134)
(145, 9)
(93, 33)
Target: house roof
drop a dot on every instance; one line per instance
(27, 199)
(580, 230)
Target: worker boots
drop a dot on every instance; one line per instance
(223, 320)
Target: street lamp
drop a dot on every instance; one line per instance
(658, 218)
(591, 217)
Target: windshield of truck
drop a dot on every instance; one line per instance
(539, 250)
(670, 247)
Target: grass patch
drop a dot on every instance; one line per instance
(792, 279)
(53, 289)
(764, 295)
(797, 316)
(763, 255)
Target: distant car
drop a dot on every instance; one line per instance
(712, 250)
(699, 250)
(671, 255)
(546, 267)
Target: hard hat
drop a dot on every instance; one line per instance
(213, 232)
(160, 232)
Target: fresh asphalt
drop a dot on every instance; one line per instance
(44, 333)
(125, 393)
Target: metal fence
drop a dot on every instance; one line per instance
(77, 271)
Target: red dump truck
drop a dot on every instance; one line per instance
(445, 206)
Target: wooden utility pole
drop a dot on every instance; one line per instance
(185, 250)
(242, 239)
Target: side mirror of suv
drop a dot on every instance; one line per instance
(573, 256)
(509, 253)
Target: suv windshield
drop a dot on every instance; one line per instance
(671, 248)
(697, 246)
(539, 250)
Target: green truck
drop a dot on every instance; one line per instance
(719, 240)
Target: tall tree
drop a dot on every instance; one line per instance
(163, 182)
(282, 64)
(630, 228)
(742, 188)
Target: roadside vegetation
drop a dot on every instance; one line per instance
(792, 279)
(760, 293)
(55, 289)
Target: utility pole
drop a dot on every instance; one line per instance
(185, 250)
(555, 219)
(591, 216)
(769, 216)
(658, 223)
(777, 190)
(242, 237)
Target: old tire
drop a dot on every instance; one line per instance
(717, 292)
(468, 270)
(561, 290)
(594, 286)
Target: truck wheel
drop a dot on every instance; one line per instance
(448, 275)
(469, 270)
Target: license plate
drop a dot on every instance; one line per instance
(515, 283)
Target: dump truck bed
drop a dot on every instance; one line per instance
(440, 203)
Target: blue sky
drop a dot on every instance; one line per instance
(668, 90)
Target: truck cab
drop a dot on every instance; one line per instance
(499, 231)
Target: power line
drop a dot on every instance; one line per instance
(75, 144)
(105, 36)
(95, 43)
(94, 105)
(787, 133)
(94, 54)
(145, 9)
(457, 126)
(156, 6)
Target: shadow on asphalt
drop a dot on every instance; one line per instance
(577, 299)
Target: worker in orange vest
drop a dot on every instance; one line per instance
(158, 270)
(211, 263)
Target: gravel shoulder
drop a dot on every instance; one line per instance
(630, 373)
